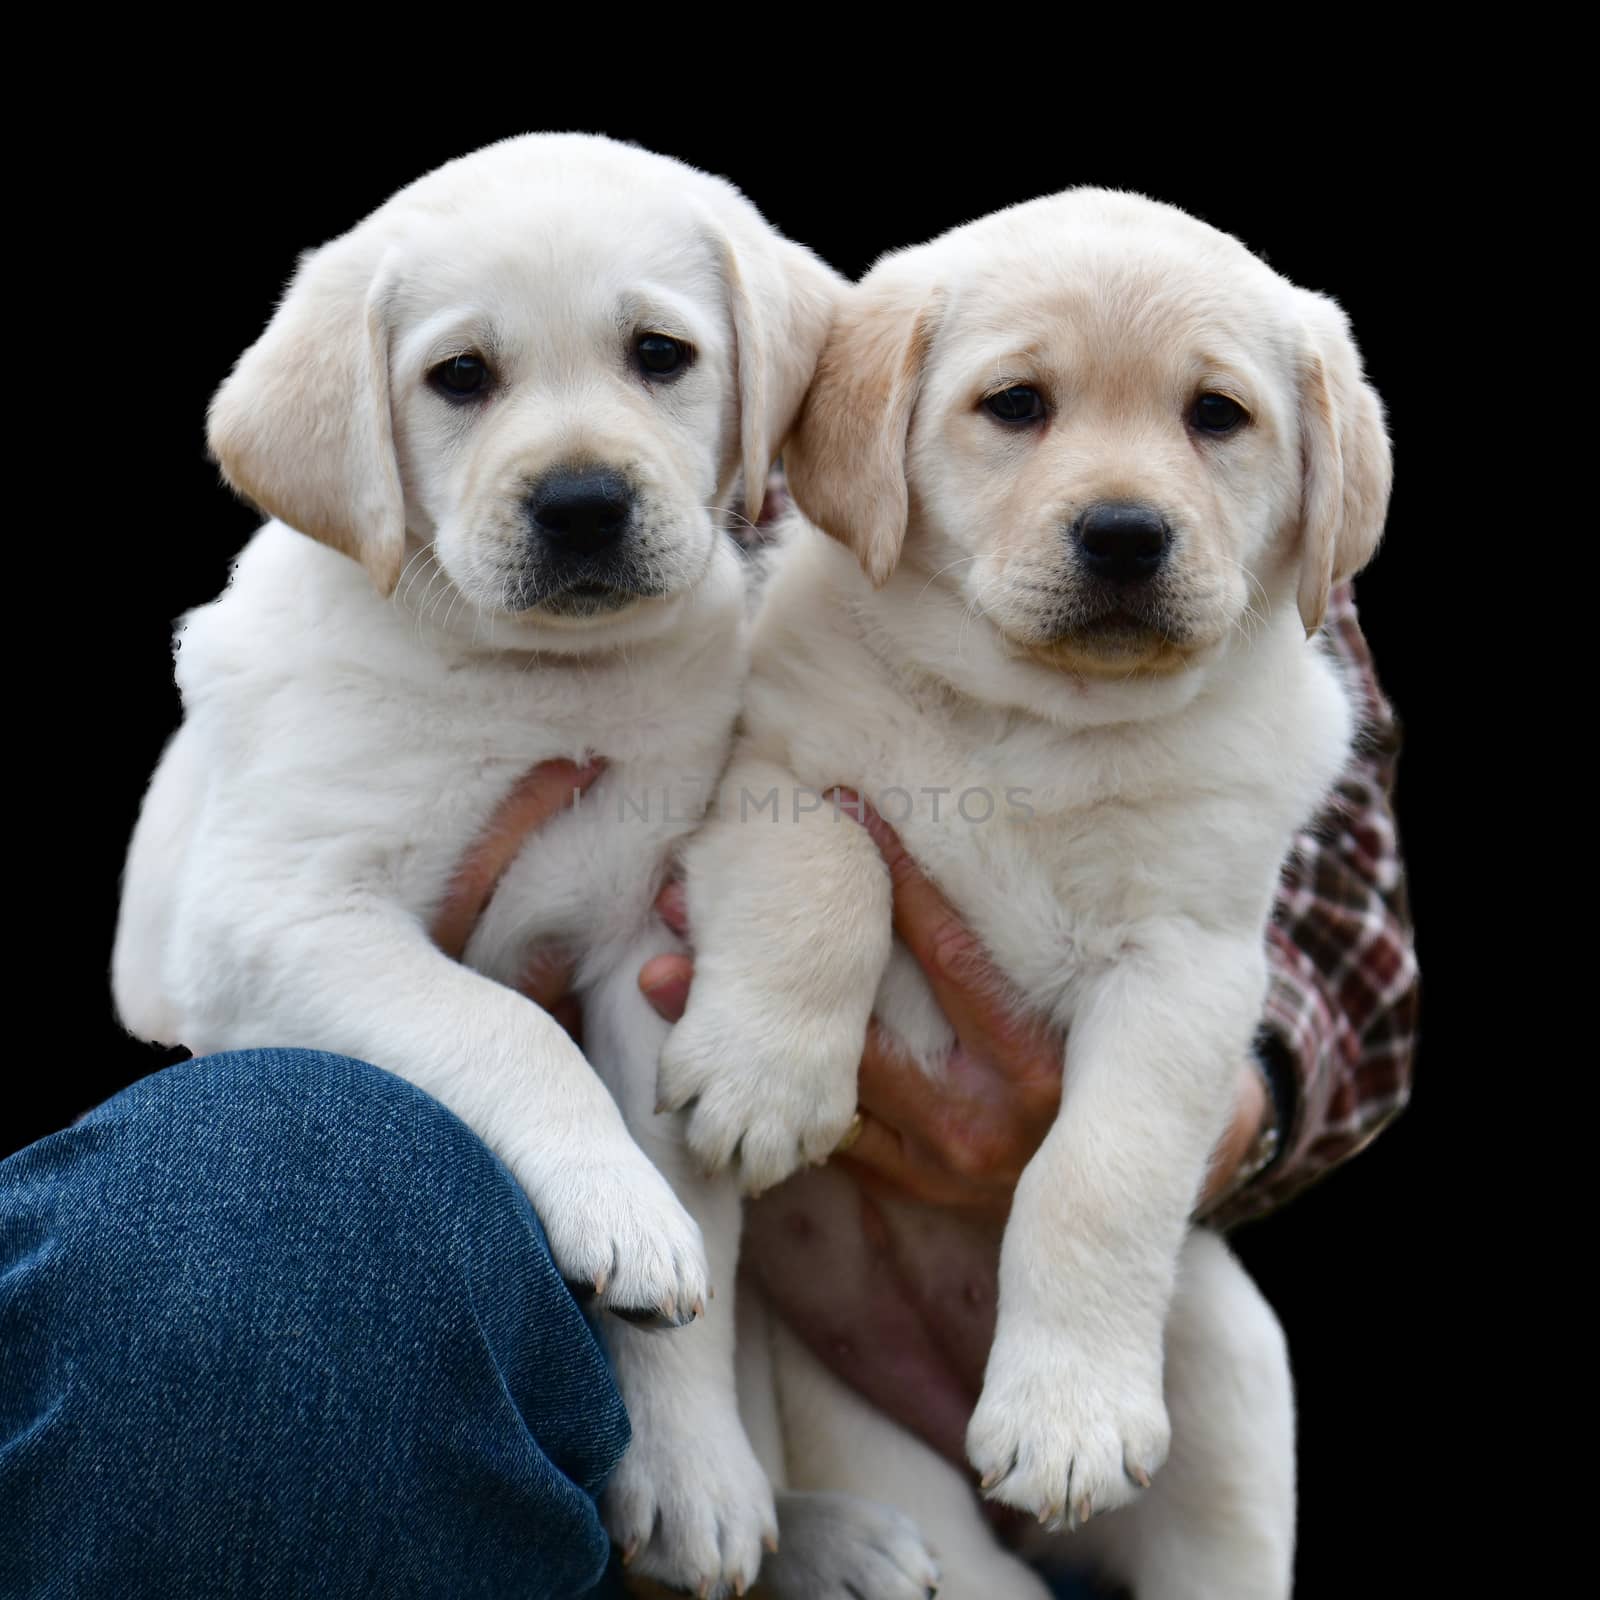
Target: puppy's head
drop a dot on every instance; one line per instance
(1108, 426)
(543, 366)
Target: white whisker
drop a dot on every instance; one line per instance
(959, 561)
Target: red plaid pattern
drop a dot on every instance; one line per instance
(1341, 1017)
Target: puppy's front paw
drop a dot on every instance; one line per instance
(838, 1547)
(616, 1228)
(691, 1508)
(772, 1099)
(1063, 1434)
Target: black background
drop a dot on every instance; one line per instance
(193, 233)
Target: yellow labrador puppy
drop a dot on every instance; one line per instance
(1089, 469)
(509, 409)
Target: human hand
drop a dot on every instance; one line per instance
(538, 795)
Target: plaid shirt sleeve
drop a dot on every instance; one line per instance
(1341, 1016)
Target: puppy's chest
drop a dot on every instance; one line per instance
(1059, 850)
(1055, 891)
(585, 881)
(587, 876)
(387, 783)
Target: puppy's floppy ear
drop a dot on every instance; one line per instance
(782, 298)
(846, 463)
(1345, 460)
(302, 426)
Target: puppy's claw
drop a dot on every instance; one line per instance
(704, 1591)
(1139, 1476)
(738, 1583)
(672, 1102)
(697, 1310)
(1085, 1510)
(1049, 1514)
(630, 1550)
(601, 1279)
(996, 1476)
(769, 1543)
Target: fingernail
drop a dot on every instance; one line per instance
(668, 996)
(672, 906)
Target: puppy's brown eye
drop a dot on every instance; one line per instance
(461, 376)
(1216, 413)
(1017, 404)
(661, 356)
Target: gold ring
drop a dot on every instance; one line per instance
(851, 1134)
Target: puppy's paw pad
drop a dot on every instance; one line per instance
(771, 1110)
(691, 1513)
(1052, 1444)
(837, 1547)
(775, 1145)
(690, 1061)
(617, 1230)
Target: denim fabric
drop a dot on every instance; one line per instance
(276, 1323)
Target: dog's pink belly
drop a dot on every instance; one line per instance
(897, 1298)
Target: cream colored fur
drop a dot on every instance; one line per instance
(356, 708)
(1107, 806)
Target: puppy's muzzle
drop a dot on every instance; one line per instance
(577, 515)
(1121, 543)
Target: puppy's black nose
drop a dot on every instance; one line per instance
(1122, 543)
(579, 512)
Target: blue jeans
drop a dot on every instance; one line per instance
(275, 1323)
